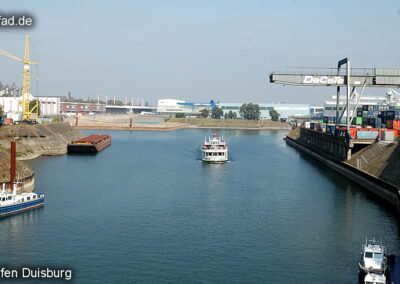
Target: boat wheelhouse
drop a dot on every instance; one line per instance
(214, 149)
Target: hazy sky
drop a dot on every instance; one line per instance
(198, 50)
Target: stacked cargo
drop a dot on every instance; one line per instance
(370, 122)
(358, 132)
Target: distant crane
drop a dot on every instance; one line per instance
(26, 111)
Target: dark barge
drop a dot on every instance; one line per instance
(90, 144)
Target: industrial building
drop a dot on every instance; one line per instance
(284, 110)
(97, 108)
(356, 102)
(173, 106)
(49, 106)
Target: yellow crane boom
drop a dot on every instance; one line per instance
(26, 111)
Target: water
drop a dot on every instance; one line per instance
(147, 210)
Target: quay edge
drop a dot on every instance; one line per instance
(386, 191)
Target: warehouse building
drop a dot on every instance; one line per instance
(49, 106)
(284, 110)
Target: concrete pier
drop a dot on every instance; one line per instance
(383, 189)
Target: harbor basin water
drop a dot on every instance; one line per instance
(147, 210)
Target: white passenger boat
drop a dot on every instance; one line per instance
(373, 258)
(214, 150)
(12, 203)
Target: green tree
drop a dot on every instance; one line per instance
(205, 112)
(180, 115)
(274, 115)
(231, 115)
(250, 111)
(217, 112)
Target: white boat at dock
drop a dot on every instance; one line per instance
(12, 203)
(373, 259)
(214, 150)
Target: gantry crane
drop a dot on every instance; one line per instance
(26, 110)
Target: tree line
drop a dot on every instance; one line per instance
(248, 111)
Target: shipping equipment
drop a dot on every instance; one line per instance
(25, 102)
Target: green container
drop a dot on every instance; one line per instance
(365, 114)
(397, 107)
(358, 120)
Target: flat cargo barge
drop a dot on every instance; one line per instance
(90, 144)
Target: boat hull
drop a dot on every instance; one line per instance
(21, 207)
(215, 161)
(362, 272)
(91, 147)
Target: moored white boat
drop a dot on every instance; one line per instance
(373, 258)
(12, 203)
(214, 150)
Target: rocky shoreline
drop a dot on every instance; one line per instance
(39, 140)
(32, 141)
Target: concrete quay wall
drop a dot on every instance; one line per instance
(384, 190)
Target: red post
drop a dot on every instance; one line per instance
(130, 123)
(12, 168)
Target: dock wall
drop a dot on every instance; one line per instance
(384, 190)
(338, 147)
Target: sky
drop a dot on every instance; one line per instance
(196, 50)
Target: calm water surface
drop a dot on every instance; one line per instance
(146, 209)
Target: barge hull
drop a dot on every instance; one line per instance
(90, 144)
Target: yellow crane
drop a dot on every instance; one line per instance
(26, 111)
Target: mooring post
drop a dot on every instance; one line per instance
(130, 123)
(76, 121)
(13, 161)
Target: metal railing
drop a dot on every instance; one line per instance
(327, 71)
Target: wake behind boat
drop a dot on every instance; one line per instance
(214, 150)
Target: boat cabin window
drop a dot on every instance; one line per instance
(368, 254)
(378, 256)
(22, 200)
(34, 197)
(28, 198)
(9, 198)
